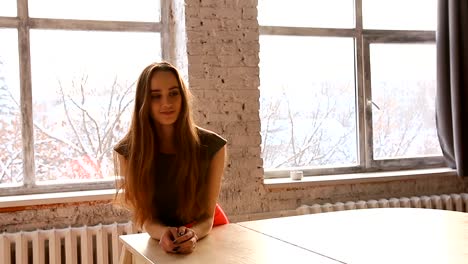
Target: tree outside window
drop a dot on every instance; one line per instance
(346, 87)
(74, 78)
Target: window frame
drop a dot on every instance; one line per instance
(363, 38)
(23, 24)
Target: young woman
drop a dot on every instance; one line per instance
(170, 169)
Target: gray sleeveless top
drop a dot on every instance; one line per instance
(165, 196)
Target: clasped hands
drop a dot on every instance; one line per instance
(181, 240)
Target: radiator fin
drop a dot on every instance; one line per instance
(452, 202)
(88, 244)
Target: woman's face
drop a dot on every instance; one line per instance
(166, 99)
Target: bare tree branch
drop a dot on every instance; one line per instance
(67, 114)
(8, 163)
(111, 98)
(85, 114)
(120, 110)
(291, 123)
(65, 141)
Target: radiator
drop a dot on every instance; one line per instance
(87, 244)
(453, 202)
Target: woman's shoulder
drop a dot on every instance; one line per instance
(122, 148)
(211, 140)
(208, 134)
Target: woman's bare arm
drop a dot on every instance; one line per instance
(155, 229)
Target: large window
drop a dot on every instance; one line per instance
(67, 80)
(347, 86)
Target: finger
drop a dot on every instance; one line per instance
(174, 234)
(188, 246)
(166, 237)
(176, 249)
(190, 243)
(188, 235)
(170, 248)
(185, 251)
(182, 239)
(166, 241)
(181, 230)
(166, 245)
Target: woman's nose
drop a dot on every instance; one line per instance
(166, 100)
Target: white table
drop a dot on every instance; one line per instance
(391, 235)
(230, 243)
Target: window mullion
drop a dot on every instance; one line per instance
(173, 34)
(358, 14)
(400, 36)
(366, 107)
(9, 22)
(93, 25)
(363, 149)
(307, 31)
(26, 94)
(167, 50)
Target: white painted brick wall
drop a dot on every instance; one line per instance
(223, 71)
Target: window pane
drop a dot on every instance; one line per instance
(83, 90)
(121, 10)
(11, 158)
(307, 101)
(306, 13)
(403, 87)
(400, 14)
(8, 8)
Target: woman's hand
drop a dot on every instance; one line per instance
(181, 240)
(167, 240)
(186, 240)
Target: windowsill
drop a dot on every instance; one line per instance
(277, 183)
(388, 176)
(56, 198)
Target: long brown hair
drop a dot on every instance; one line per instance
(141, 143)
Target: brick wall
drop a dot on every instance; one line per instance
(222, 56)
(28, 218)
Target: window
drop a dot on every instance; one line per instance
(347, 86)
(68, 72)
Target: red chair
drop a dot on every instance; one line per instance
(220, 217)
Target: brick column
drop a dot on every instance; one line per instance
(222, 48)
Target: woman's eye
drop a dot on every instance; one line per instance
(155, 96)
(174, 93)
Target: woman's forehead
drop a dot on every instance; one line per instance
(163, 80)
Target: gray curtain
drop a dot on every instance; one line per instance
(452, 82)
